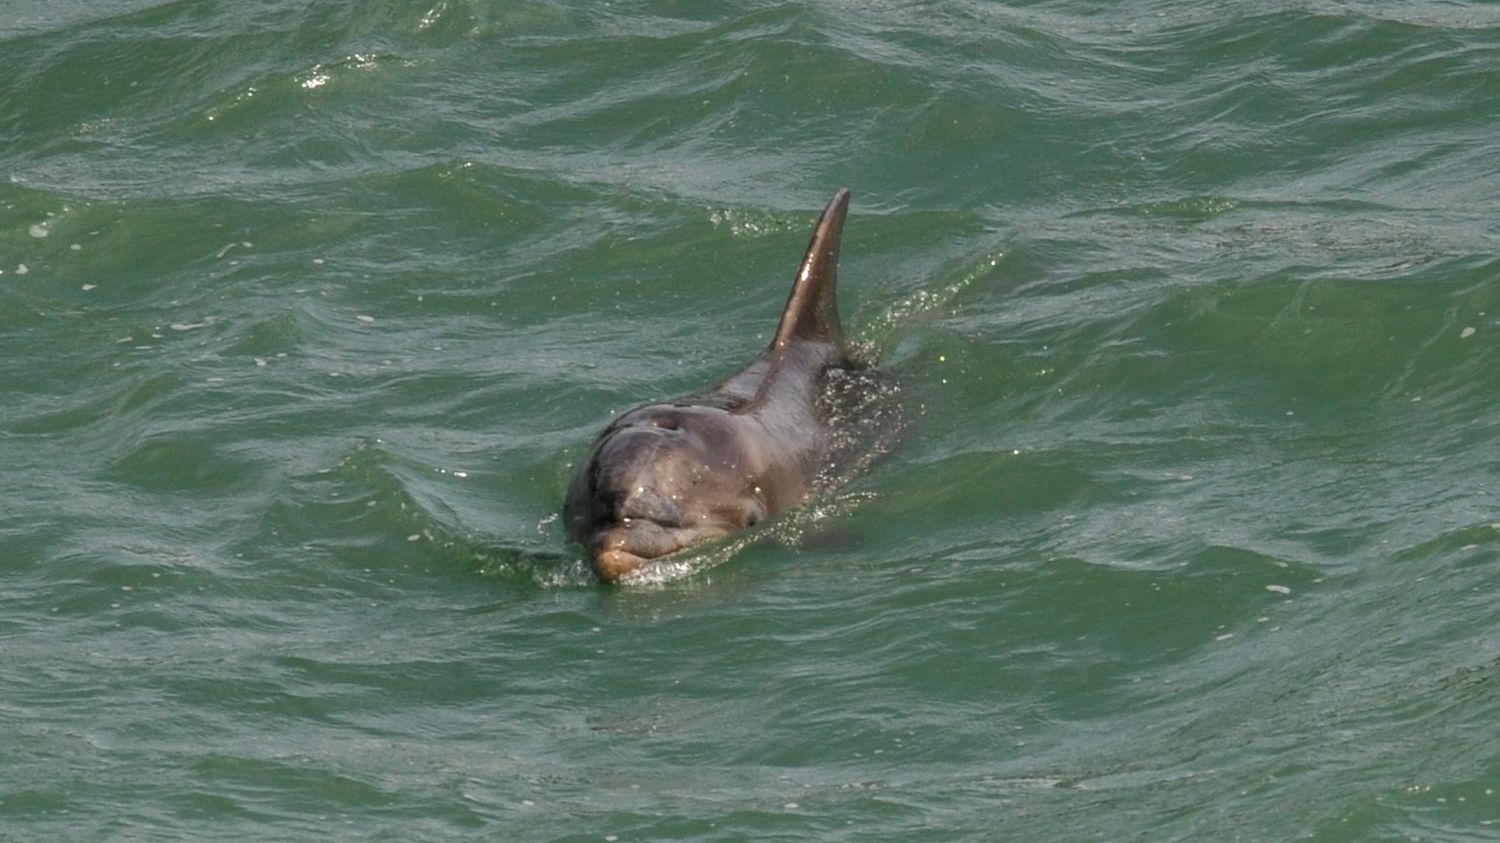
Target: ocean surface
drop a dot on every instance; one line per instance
(1191, 312)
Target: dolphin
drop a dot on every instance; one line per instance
(671, 475)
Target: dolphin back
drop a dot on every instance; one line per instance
(809, 337)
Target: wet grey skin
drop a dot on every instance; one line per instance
(667, 476)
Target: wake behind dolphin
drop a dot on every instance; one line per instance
(667, 476)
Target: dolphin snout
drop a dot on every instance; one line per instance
(626, 546)
(629, 545)
(612, 564)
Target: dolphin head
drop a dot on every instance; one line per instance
(661, 478)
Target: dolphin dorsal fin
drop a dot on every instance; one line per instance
(812, 309)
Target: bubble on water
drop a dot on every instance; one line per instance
(1466, 333)
(744, 223)
(39, 230)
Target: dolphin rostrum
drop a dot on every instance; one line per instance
(666, 476)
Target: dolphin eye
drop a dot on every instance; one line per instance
(667, 422)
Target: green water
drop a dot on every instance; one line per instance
(307, 308)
